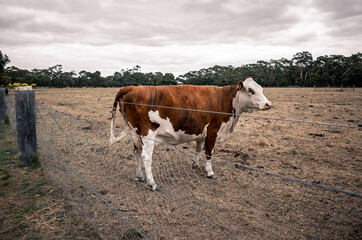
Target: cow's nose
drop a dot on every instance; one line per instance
(268, 105)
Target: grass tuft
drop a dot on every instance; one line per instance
(131, 233)
(7, 121)
(4, 174)
(35, 163)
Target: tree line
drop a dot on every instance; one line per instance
(302, 70)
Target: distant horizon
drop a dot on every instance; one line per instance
(314, 58)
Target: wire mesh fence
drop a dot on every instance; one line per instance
(241, 203)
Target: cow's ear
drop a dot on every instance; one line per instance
(240, 85)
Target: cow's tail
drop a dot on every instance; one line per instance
(117, 100)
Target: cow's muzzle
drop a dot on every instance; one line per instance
(267, 105)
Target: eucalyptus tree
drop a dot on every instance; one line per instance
(304, 61)
(4, 60)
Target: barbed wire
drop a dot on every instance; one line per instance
(240, 115)
(223, 113)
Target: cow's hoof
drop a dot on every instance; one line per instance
(212, 176)
(195, 166)
(153, 187)
(141, 179)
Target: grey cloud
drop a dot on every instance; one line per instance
(64, 6)
(342, 18)
(235, 20)
(13, 17)
(347, 28)
(161, 22)
(339, 9)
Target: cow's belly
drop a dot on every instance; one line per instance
(175, 139)
(167, 134)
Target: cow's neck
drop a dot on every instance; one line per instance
(240, 103)
(239, 107)
(235, 109)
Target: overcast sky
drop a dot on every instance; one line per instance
(173, 36)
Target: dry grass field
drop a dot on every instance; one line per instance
(238, 203)
(31, 205)
(327, 155)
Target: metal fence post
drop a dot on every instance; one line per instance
(25, 123)
(2, 105)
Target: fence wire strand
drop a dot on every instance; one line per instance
(240, 115)
(243, 203)
(221, 113)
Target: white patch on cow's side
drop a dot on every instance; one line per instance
(167, 134)
(226, 129)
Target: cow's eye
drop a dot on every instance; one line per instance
(251, 91)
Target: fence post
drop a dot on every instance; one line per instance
(25, 124)
(2, 105)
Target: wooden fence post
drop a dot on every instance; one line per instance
(25, 124)
(2, 105)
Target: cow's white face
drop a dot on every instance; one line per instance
(250, 97)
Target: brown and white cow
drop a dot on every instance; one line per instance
(151, 125)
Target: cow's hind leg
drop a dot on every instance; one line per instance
(139, 173)
(147, 151)
(199, 146)
(137, 143)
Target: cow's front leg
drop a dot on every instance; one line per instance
(199, 146)
(147, 151)
(208, 168)
(209, 147)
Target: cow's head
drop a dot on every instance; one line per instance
(250, 96)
